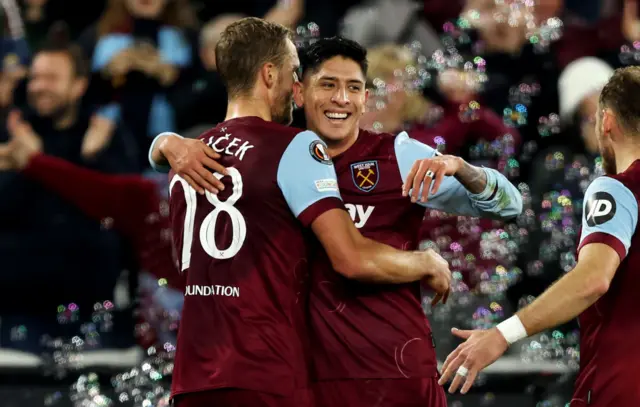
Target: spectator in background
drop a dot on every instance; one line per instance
(140, 49)
(378, 22)
(38, 15)
(130, 204)
(49, 248)
(596, 28)
(14, 52)
(405, 108)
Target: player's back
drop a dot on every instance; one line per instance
(245, 258)
(610, 328)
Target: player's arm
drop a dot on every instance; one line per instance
(609, 221)
(360, 258)
(469, 190)
(192, 159)
(308, 182)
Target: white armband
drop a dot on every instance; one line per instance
(512, 329)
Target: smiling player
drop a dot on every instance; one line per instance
(372, 345)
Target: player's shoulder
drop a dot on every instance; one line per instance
(612, 189)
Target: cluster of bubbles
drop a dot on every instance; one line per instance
(145, 385)
(630, 54)
(549, 125)
(306, 35)
(520, 98)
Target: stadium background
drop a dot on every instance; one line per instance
(504, 83)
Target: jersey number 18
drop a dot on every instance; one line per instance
(208, 227)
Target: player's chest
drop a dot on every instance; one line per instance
(372, 193)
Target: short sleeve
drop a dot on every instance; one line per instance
(610, 215)
(307, 178)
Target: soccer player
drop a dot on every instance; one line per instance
(244, 250)
(372, 344)
(377, 334)
(602, 288)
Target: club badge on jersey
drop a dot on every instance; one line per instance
(600, 208)
(318, 151)
(365, 175)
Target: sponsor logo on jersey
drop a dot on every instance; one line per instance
(365, 175)
(327, 185)
(600, 208)
(318, 151)
(360, 214)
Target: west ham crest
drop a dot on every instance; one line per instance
(365, 175)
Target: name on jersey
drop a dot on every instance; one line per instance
(215, 290)
(360, 214)
(229, 145)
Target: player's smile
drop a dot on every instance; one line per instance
(336, 117)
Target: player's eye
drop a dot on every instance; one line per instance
(355, 88)
(327, 85)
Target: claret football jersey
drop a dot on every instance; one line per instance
(372, 331)
(245, 255)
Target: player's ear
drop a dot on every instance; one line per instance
(298, 93)
(269, 75)
(609, 123)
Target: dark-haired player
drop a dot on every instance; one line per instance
(602, 288)
(372, 345)
(244, 251)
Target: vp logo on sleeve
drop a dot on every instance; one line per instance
(601, 208)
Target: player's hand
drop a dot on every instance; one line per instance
(194, 161)
(439, 276)
(481, 348)
(428, 173)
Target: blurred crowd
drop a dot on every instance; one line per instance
(86, 259)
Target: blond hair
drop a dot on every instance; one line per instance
(386, 61)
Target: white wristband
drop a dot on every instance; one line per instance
(512, 329)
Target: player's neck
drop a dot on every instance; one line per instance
(337, 147)
(626, 155)
(246, 107)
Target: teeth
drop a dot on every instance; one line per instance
(336, 115)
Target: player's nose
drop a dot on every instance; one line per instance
(341, 97)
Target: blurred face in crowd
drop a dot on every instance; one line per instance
(53, 85)
(603, 133)
(588, 112)
(146, 8)
(334, 99)
(281, 95)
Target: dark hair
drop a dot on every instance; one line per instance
(244, 47)
(315, 54)
(59, 41)
(622, 95)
